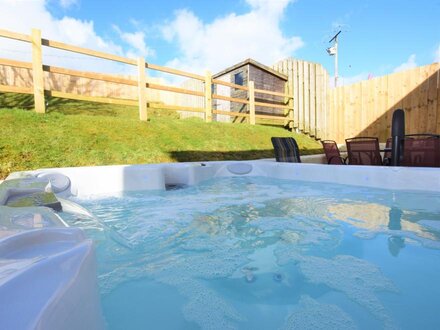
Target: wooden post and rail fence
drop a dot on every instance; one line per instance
(40, 89)
(310, 105)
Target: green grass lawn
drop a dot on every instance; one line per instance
(75, 133)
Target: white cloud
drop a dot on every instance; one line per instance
(232, 38)
(34, 14)
(437, 54)
(136, 42)
(409, 64)
(68, 3)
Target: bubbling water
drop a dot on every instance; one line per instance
(260, 253)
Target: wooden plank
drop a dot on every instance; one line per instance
(348, 115)
(37, 72)
(341, 114)
(283, 69)
(15, 64)
(232, 114)
(438, 99)
(271, 105)
(312, 84)
(174, 107)
(411, 121)
(86, 51)
(175, 89)
(432, 114)
(228, 84)
(208, 97)
(356, 99)
(175, 71)
(232, 99)
(142, 91)
(91, 98)
(363, 109)
(263, 91)
(295, 94)
(289, 92)
(301, 95)
(270, 117)
(16, 89)
(319, 113)
(251, 102)
(90, 75)
(306, 96)
(422, 106)
(15, 35)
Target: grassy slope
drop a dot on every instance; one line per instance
(80, 133)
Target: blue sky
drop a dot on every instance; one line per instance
(378, 37)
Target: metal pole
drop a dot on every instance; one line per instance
(333, 51)
(336, 62)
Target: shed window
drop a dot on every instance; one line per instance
(238, 78)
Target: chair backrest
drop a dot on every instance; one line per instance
(332, 153)
(363, 151)
(421, 150)
(286, 149)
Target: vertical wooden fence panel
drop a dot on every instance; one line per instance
(290, 93)
(312, 96)
(295, 94)
(432, 99)
(319, 113)
(300, 95)
(306, 96)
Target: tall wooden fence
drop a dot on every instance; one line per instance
(366, 108)
(42, 87)
(308, 83)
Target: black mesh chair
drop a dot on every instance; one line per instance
(332, 153)
(363, 151)
(286, 149)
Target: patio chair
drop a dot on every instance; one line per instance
(363, 151)
(421, 150)
(332, 153)
(286, 149)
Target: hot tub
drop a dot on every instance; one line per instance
(254, 244)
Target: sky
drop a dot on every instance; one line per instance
(378, 36)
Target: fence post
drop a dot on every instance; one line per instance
(142, 91)
(251, 87)
(208, 97)
(37, 72)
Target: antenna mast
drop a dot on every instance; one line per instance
(333, 51)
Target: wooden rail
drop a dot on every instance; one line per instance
(97, 99)
(228, 84)
(90, 75)
(86, 51)
(15, 64)
(38, 82)
(174, 89)
(175, 71)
